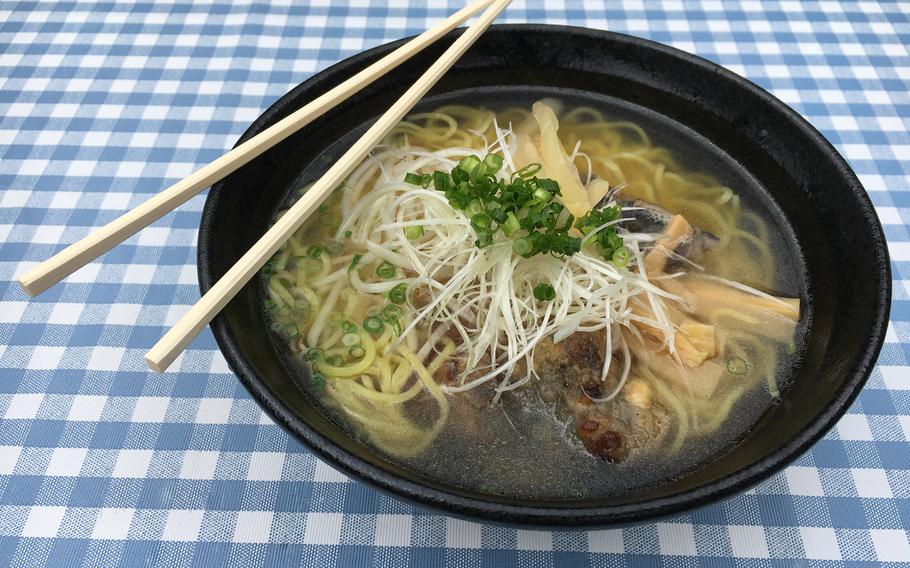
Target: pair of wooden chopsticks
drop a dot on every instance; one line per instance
(80, 253)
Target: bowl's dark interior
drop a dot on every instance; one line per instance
(780, 156)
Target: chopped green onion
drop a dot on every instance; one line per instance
(391, 311)
(317, 380)
(314, 251)
(350, 339)
(313, 354)
(347, 234)
(791, 348)
(373, 324)
(528, 171)
(544, 292)
(354, 262)
(413, 179)
(356, 351)
(498, 214)
(511, 225)
(386, 270)
(606, 241)
(347, 326)
(481, 221)
(548, 185)
(399, 294)
(396, 327)
(459, 176)
(737, 366)
(621, 257)
(468, 164)
(524, 203)
(413, 232)
(543, 195)
(335, 360)
(492, 163)
(441, 181)
(484, 238)
(523, 246)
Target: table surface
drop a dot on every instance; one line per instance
(104, 463)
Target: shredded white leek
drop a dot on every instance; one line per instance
(485, 296)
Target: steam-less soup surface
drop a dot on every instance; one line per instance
(537, 301)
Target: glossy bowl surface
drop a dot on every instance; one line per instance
(750, 135)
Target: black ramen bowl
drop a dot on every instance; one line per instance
(745, 134)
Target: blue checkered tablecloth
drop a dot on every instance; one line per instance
(104, 464)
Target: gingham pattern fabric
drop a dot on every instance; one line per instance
(104, 464)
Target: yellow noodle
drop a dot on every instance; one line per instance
(352, 370)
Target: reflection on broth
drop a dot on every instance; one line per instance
(536, 302)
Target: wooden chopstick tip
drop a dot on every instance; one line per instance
(30, 285)
(155, 365)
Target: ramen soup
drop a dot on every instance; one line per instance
(536, 302)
